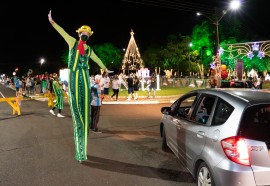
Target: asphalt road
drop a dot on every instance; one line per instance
(37, 148)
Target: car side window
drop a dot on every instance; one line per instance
(204, 109)
(222, 112)
(185, 106)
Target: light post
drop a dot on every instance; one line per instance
(234, 5)
(190, 45)
(41, 62)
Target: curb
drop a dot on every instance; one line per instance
(122, 101)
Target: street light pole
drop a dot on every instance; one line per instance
(235, 4)
(190, 45)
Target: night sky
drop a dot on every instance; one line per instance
(27, 35)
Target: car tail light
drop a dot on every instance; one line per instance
(236, 150)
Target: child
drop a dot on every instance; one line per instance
(96, 104)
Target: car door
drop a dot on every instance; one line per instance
(181, 118)
(170, 123)
(170, 129)
(195, 128)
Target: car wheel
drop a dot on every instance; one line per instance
(204, 175)
(165, 148)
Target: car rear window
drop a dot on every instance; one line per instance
(255, 123)
(222, 112)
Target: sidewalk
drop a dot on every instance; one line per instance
(121, 99)
(144, 100)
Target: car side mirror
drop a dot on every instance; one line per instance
(166, 110)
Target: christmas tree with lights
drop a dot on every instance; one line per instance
(132, 60)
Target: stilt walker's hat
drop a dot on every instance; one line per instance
(54, 76)
(85, 28)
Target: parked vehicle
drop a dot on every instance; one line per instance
(222, 136)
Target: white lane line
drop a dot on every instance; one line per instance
(2, 94)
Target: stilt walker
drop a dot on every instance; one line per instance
(79, 84)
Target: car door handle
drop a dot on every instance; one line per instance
(200, 134)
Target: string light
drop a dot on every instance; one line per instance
(240, 50)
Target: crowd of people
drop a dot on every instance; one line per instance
(110, 85)
(31, 84)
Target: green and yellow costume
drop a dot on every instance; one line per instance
(58, 90)
(79, 89)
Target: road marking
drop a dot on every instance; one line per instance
(2, 94)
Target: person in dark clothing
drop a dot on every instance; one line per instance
(153, 86)
(136, 86)
(51, 85)
(130, 87)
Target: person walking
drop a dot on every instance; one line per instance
(18, 87)
(38, 85)
(96, 104)
(51, 84)
(153, 86)
(28, 84)
(107, 83)
(43, 85)
(58, 90)
(136, 87)
(102, 83)
(116, 84)
(130, 87)
(92, 80)
(79, 84)
(17, 83)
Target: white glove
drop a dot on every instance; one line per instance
(108, 71)
(50, 16)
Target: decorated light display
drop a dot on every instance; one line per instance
(255, 47)
(261, 54)
(248, 49)
(132, 59)
(250, 55)
(224, 72)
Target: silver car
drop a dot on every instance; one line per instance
(222, 136)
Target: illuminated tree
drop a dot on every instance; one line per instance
(132, 58)
(152, 57)
(178, 56)
(203, 42)
(110, 55)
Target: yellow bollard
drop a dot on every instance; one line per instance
(14, 103)
(51, 97)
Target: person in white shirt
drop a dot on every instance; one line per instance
(107, 83)
(116, 84)
(101, 84)
(92, 80)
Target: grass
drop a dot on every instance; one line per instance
(266, 85)
(164, 91)
(171, 91)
